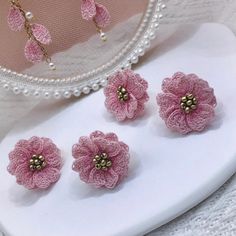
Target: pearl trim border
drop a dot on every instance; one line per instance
(95, 79)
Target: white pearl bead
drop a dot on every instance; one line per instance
(16, 90)
(103, 82)
(57, 95)
(29, 15)
(6, 86)
(46, 95)
(86, 90)
(67, 94)
(95, 87)
(103, 36)
(77, 93)
(52, 66)
(26, 92)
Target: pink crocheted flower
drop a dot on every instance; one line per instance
(36, 163)
(126, 94)
(101, 159)
(187, 103)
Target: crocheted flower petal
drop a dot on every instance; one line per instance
(124, 146)
(36, 144)
(15, 19)
(33, 52)
(131, 106)
(23, 144)
(49, 147)
(19, 155)
(167, 102)
(88, 9)
(44, 178)
(54, 160)
(106, 179)
(85, 148)
(97, 134)
(177, 122)
(111, 137)
(84, 167)
(109, 147)
(203, 92)
(199, 119)
(118, 79)
(24, 176)
(179, 84)
(136, 85)
(110, 89)
(114, 106)
(41, 33)
(102, 17)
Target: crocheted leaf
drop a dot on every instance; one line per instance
(41, 33)
(33, 52)
(88, 9)
(102, 17)
(15, 19)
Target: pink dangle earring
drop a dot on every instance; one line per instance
(96, 12)
(38, 35)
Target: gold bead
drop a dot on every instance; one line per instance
(109, 163)
(31, 161)
(98, 166)
(123, 90)
(120, 87)
(38, 167)
(184, 99)
(187, 110)
(44, 164)
(194, 101)
(36, 161)
(34, 156)
(190, 96)
(104, 168)
(94, 160)
(193, 107)
(189, 102)
(104, 155)
(41, 158)
(182, 105)
(32, 167)
(103, 163)
(126, 96)
(97, 157)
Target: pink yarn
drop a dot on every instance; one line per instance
(97, 143)
(15, 19)
(170, 103)
(94, 11)
(41, 33)
(20, 161)
(136, 88)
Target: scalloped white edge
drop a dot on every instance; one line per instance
(95, 79)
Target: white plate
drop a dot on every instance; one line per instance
(169, 173)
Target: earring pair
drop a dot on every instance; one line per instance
(186, 103)
(100, 159)
(38, 35)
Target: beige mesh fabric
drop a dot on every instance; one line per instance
(63, 19)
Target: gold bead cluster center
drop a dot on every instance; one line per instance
(122, 94)
(188, 103)
(37, 162)
(102, 162)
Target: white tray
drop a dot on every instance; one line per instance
(169, 173)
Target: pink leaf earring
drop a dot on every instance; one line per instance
(187, 103)
(38, 35)
(126, 94)
(92, 11)
(101, 159)
(35, 163)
